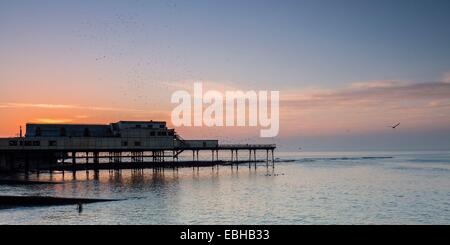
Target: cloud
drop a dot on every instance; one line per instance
(446, 77)
(369, 95)
(439, 103)
(366, 108)
(53, 121)
(378, 84)
(27, 105)
(62, 106)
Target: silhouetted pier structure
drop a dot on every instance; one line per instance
(122, 145)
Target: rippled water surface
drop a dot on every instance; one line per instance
(304, 188)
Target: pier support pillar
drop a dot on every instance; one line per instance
(249, 159)
(237, 159)
(193, 160)
(96, 159)
(27, 162)
(273, 159)
(74, 160)
(212, 159)
(254, 157)
(232, 158)
(173, 158)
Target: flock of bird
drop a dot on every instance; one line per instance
(117, 41)
(118, 30)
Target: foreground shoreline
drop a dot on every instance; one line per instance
(39, 201)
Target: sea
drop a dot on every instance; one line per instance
(302, 188)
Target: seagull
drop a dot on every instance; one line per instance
(395, 126)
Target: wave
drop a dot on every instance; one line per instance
(429, 160)
(285, 160)
(408, 168)
(353, 158)
(314, 159)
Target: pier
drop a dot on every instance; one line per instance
(122, 145)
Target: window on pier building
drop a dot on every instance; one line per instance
(38, 132)
(13, 143)
(124, 143)
(62, 132)
(152, 133)
(36, 143)
(87, 133)
(52, 143)
(137, 143)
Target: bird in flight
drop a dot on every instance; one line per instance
(395, 126)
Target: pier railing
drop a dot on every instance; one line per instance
(247, 146)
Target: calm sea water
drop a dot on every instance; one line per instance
(304, 188)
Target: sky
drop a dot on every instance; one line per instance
(346, 70)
